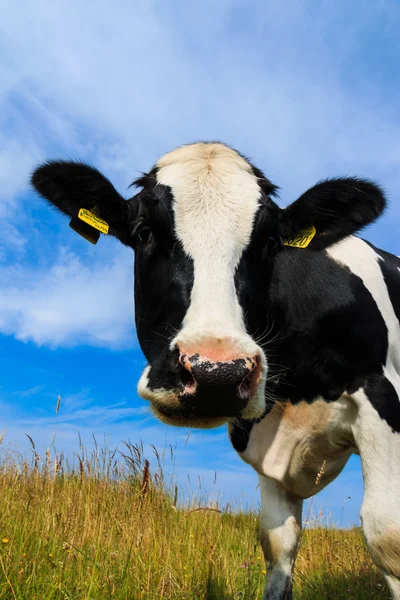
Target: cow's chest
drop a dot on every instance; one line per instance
(303, 447)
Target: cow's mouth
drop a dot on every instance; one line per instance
(178, 418)
(182, 410)
(211, 408)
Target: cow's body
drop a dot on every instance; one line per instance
(297, 348)
(299, 448)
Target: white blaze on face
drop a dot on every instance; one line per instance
(216, 197)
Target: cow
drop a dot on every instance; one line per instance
(279, 322)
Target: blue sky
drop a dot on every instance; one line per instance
(306, 89)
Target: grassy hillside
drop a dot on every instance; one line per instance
(109, 529)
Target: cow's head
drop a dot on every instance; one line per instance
(206, 232)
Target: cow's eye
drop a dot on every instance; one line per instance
(143, 234)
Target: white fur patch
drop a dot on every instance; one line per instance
(216, 197)
(215, 201)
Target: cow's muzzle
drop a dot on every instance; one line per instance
(210, 387)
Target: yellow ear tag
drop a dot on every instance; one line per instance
(93, 220)
(302, 239)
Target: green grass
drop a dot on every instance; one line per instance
(109, 529)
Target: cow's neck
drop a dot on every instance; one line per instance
(303, 447)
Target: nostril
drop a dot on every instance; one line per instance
(184, 361)
(245, 388)
(185, 372)
(251, 378)
(186, 376)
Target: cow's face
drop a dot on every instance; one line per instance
(205, 233)
(193, 228)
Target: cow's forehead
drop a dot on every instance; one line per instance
(202, 155)
(215, 195)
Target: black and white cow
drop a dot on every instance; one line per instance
(295, 347)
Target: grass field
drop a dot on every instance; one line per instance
(109, 529)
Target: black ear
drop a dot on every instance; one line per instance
(71, 186)
(336, 208)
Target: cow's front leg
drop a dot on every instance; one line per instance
(280, 531)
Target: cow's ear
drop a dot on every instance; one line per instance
(330, 211)
(84, 194)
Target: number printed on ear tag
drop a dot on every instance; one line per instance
(93, 220)
(302, 239)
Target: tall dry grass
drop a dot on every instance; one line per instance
(105, 526)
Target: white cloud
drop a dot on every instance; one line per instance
(11, 241)
(146, 78)
(17, 158)
(70, 302)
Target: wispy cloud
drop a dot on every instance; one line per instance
(29, 392)
(68, 303)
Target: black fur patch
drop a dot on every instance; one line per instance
(384, 399)
(240, 433)
(306, 307)
(164, 276)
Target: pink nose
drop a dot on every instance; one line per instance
(221, 349)
(218, 369)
